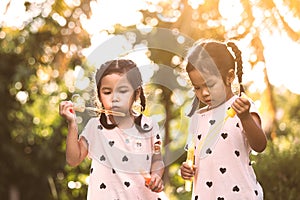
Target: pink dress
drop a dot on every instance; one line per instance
(224, 170)
(118, 156)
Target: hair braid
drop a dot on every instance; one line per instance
(103, 121)
(138, 120)
(238, 60)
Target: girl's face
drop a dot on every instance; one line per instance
(116, 93)
(210, 89)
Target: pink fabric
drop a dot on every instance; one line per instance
(118, 156)
(223, 170)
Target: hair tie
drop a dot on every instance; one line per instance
(231, 51)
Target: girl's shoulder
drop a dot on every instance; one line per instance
(93, 121)
(93, 124)
(148, 122)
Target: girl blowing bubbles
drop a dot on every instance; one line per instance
(121, 147)
(222, 169)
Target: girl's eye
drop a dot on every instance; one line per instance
(106, 92)
(210, 83)
(196, 88)
(123, 91)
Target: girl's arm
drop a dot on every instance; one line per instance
(251, 124)
(157, 171)
(157, 165)
(76, 150)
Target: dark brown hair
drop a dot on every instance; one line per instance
(213, 57)
(133, 75)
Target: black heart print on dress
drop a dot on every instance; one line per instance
(208, 151)
(146, 126)
(209, 183)
(224, 135)
(127, 183)
(113, 171)
(111, 143)
(199, 137)
(102, 186)
(100, 127)
(124, 159)
(237, 153)
(236, 189)
(102, 158)
(212, 121)
(222, 170)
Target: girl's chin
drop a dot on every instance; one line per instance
(213, 104)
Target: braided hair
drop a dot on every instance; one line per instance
(133, 75)
(239, 64)
(214, 57)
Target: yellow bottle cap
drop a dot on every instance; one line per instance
(230, 112)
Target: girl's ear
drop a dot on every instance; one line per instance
(230, 77)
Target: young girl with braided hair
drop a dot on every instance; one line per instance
(222, 168)
(123, 148)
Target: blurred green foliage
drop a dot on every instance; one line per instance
(277, 169)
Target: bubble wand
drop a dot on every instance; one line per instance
(190, 162)
(79, 106)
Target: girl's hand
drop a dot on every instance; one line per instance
(156, 183)
(66, 110)
(241, 106)
(187, 172)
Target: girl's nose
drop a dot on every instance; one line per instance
(205, 91)
(115, 97)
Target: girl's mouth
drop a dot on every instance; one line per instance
(115, 108)
(207, 102)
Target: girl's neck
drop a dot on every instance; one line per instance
(123, 122)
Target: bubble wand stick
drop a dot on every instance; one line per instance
(230, 113)
(190, 162)
(79, 106)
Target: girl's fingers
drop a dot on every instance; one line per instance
(152, 183)
(186, 168)
(66, 110)
(62, 106)
(158, 186)
(242, 103)
(188, 175)
(155, 184)
(161, 189)
(186, 171)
